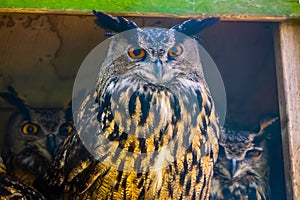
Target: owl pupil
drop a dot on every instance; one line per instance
(30, 129)
(253, 153)
(174, 51)
(64, 129)
(137, 52)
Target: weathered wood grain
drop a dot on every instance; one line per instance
(287, 48)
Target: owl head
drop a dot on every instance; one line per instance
(154, 56)
(242, 169)
(32, 135)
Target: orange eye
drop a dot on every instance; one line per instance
(66, 128)
(175, 51)
(30, 128)
(253, 153)
(136, 53)
(256, 153)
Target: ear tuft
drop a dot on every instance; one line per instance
(12, 98)
(265, 123)
(116, 24)
(265, 130)
(194, 26)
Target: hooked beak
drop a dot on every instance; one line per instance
(158, 70)
(233, 166)
(51, 143)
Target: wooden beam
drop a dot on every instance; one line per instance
(287, 50)
(232, 9)
(223, 17)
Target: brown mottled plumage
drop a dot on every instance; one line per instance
(31, 137)
(242, 169)
(11, 188)
(149, 130)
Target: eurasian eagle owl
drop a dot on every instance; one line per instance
(32, 136)
(242, 169)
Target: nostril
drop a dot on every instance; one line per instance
(51, 143)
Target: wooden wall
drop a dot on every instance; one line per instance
(41, 53)
(287, 46)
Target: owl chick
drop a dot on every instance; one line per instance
(11, 188)
(149, 128)
(242, 169)
(31, 137)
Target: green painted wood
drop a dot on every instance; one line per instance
(289, 8)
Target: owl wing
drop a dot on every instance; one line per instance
(11, 188)
(72, 169)
(68, 168)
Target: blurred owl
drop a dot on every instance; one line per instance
(242, 169)
(11, 188)
(148, 130)
(31, 137)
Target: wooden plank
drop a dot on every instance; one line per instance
(231, 9)
(287, 47)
